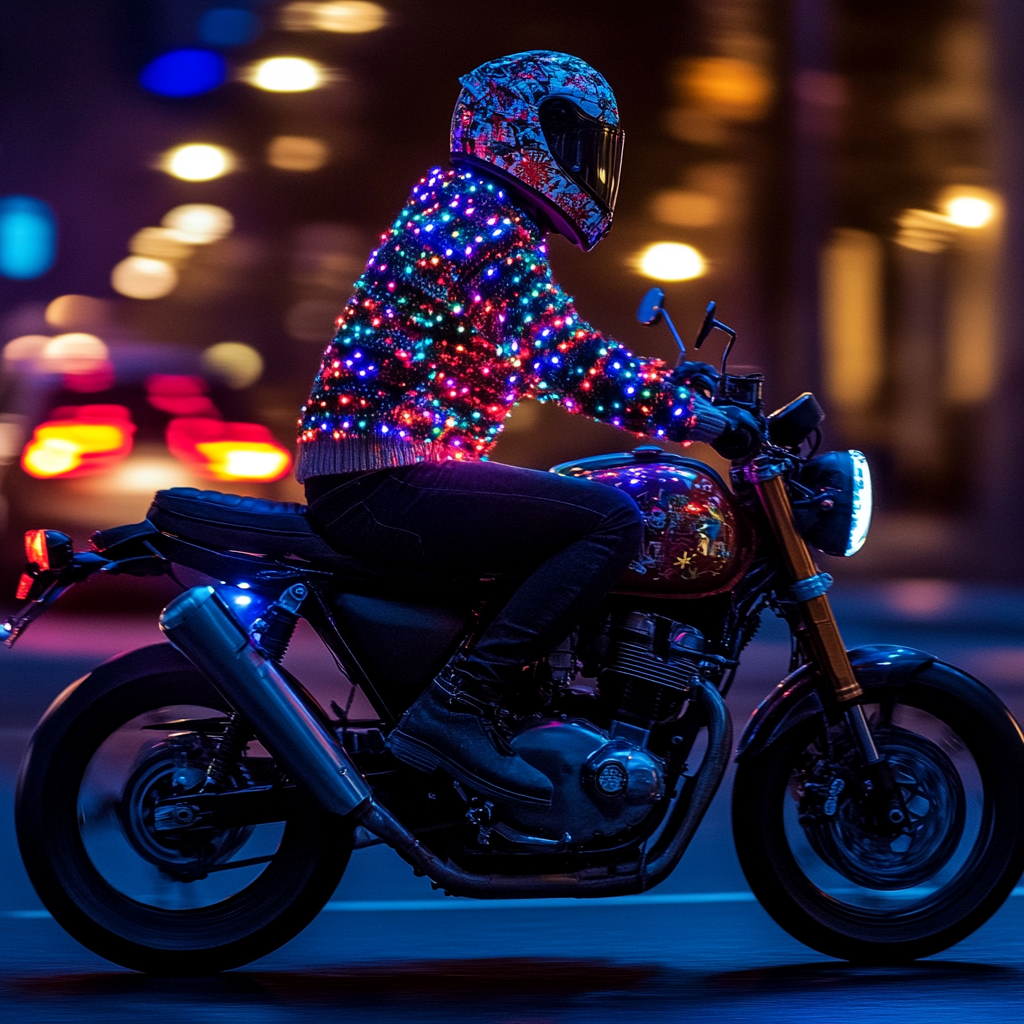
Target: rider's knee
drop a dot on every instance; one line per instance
(624, 515)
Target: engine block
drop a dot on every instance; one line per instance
(602, 786)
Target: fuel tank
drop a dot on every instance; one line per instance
(697, 540)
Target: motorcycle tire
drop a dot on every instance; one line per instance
(95, 903)
(839, 886)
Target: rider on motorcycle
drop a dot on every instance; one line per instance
(456, 319)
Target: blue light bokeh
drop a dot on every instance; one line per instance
(228, 26)
(184, 73)
(28, 237)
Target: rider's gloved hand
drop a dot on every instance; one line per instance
(741, 437)
(696, 376)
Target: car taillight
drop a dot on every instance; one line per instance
(78, 441)
(228, 451)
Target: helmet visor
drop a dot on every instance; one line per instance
(588, 150)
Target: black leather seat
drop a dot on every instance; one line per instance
(260, 526)
(235, 523)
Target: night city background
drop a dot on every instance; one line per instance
(189, 188)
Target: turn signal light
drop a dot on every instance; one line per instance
(228, 451)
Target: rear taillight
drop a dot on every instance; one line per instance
(47, 552)
(35, 549)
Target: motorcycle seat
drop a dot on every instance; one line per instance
(261, 526)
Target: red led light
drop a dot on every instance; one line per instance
(24, 587)
(36, 551)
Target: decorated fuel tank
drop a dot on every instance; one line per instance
(697, 541)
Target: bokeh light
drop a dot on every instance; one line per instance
(245, 460)
(159, 243)
(671, 261)
(923, 231)
(78, 441)
(237, 364)
(198, 161)
(352, 16)
(141, 277)
(285, 74)
(179, 394)
(26, 349)
(228, 26)
(199, 223)
(685, 208)
(297, 153)
(183, 73)
(228, 451)
(28, 237)
(968, 207)
(79, 312)
(76, 352)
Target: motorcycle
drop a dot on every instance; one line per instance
(188, 807)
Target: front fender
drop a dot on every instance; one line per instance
(798, 696)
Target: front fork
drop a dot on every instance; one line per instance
(808, 591)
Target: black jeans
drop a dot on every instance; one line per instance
(570, 539)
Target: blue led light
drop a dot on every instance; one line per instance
(228, 26)
(184, 73)
(28, 237)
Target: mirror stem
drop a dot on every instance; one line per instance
(675, 333)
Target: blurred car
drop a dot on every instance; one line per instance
(88, 434)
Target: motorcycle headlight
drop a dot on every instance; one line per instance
(836, 513)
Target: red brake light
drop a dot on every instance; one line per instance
(24, 587)
(36, 552)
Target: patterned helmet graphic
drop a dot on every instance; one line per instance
(549, 121)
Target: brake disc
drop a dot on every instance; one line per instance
(936, 804)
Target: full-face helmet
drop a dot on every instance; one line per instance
(548, 123)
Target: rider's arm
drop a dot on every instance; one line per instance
(564, 359)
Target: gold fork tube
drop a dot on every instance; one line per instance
(819, 621)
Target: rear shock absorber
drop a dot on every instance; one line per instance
(272, 632)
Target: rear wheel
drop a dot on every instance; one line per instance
(846, 882)
(128, 886)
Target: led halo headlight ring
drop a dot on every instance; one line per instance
(836, 516)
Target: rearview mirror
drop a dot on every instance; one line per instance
(650, 310)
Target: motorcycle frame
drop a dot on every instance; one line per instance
(149, 552)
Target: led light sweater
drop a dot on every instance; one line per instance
(456, 319)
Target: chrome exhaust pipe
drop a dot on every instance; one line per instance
(200, 625)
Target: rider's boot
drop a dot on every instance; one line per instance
(459, 724)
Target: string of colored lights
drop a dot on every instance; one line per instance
(456, 319)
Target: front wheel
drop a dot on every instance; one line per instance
(846, 882)
(139, 730)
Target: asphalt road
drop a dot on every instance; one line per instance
(388, 948)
